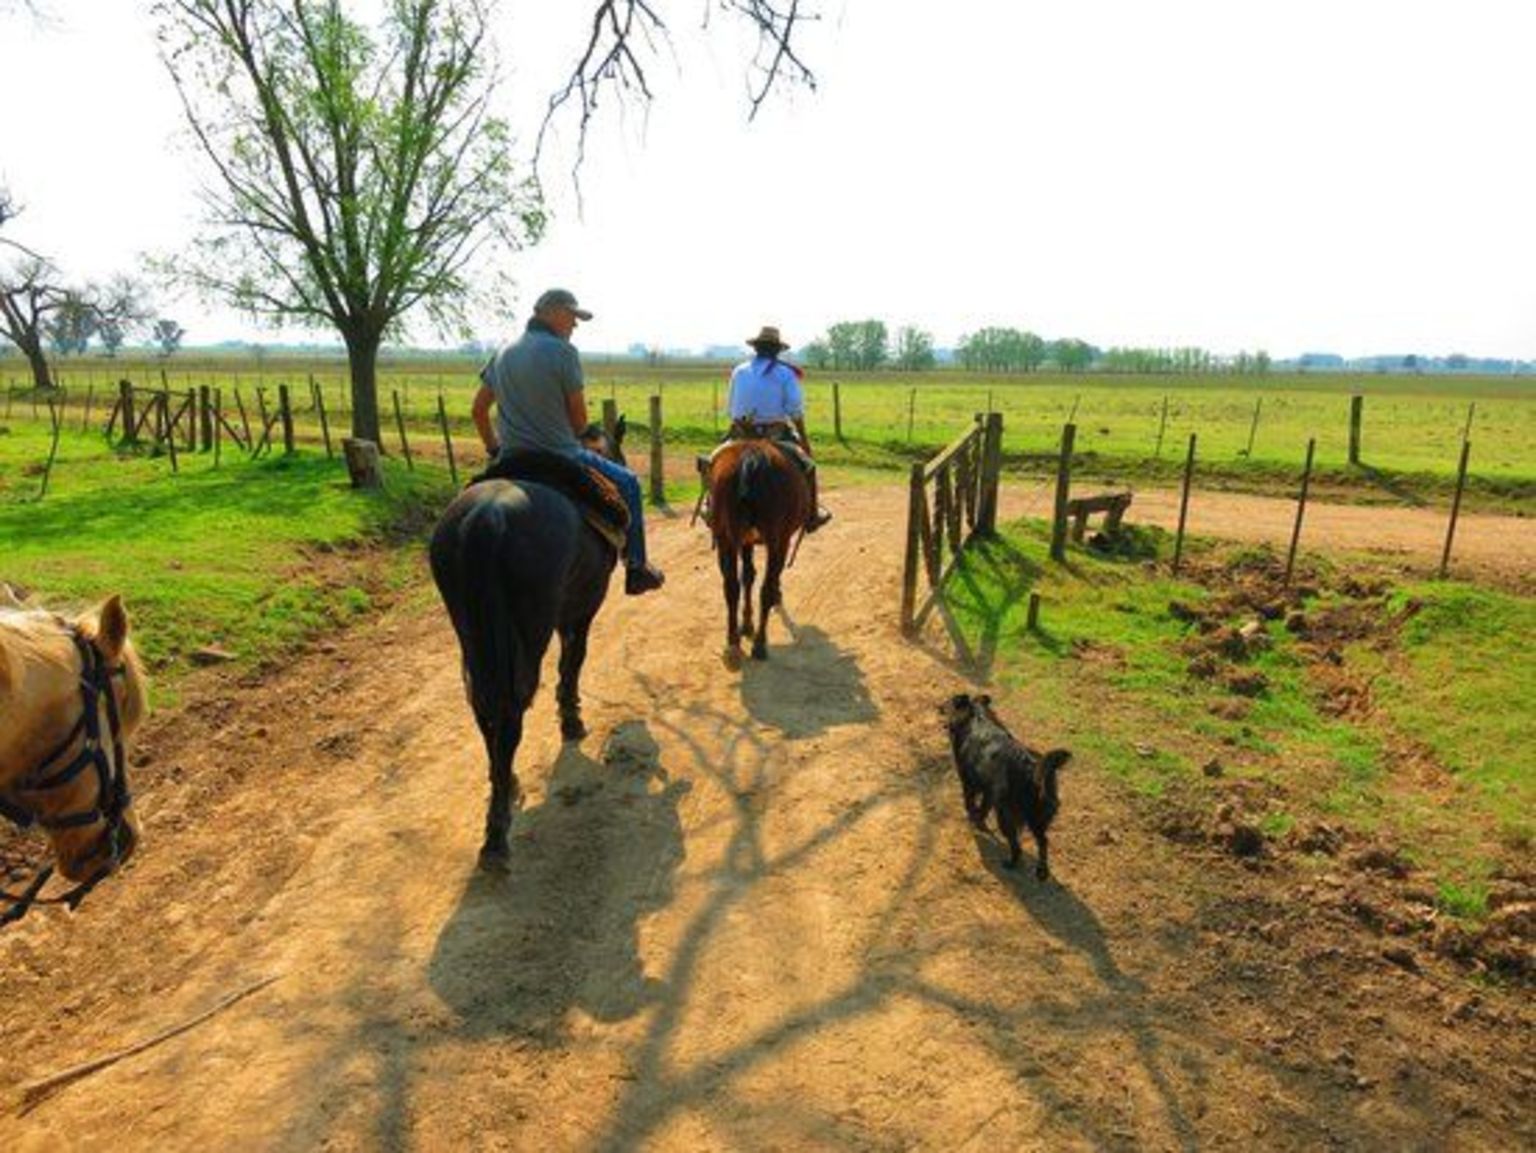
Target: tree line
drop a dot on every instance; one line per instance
(866, 345)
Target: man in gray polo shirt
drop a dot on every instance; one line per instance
(536, 386)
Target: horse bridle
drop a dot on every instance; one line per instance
(112, 796)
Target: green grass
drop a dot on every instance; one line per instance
(1107, 673)
(1412, 425)
(253, 557)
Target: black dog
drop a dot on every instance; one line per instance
(999, 772)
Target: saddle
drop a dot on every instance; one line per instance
(782, 435)
(597, 497)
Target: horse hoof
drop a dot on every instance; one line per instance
(573, 729)
(495, 860)
(732, 657)
(759, 652)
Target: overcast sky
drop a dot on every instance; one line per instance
(1343, 175)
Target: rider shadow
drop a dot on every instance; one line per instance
(559, 932)
(807, 685)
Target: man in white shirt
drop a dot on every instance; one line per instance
(765, 391)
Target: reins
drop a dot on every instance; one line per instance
(112, 795)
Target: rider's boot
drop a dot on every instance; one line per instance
(817, 516)
(642, 578)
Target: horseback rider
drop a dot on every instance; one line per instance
(537, 387)
(765, 396)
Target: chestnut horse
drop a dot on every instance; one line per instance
(515, 562)
(71, 694)
(757, 495)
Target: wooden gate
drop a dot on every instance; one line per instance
(963, 479)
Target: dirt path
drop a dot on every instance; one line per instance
(745, 914)
(1500, 547)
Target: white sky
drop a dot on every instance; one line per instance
(1352, 176)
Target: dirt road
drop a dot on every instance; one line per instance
(746, 913)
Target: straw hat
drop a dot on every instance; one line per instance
(768, 339)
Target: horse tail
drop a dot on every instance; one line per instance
(752, 480)
(497, 604)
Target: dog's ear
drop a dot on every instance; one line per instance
(1056, 759)
(984, 699)
(960, 701)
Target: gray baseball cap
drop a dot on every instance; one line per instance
(560, 298)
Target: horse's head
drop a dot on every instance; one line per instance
(71, 693)
(597, 438)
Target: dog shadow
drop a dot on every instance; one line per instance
(559, 931)
(1054, 907)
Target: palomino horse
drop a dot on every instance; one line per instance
(757, 495)
(71, 693)
(515, 562)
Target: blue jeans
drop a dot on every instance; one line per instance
(629, 488)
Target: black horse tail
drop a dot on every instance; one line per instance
(752, 482)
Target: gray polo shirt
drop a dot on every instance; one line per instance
(531, 379)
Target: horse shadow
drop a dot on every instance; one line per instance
(806, 686)
(559, 931)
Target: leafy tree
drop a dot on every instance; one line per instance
(71, 325)
(111, 334)
(914, 349)
(871, 344)
(817, 354)
(358, 173)
(167, 334)
(1072, 355)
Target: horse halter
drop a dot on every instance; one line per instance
(112, 796)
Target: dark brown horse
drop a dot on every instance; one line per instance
(757, 495)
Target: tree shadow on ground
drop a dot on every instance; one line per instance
(607, 839)
(807, 685)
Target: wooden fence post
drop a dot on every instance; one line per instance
(125, 403)
(1466, 433)
(914, 530)
(57, 416)
(1161, 424)
(163, 399)
(204, 401)
(837, 411)
(1301, 510)
(325, 424)
(218, 424)
(285, 409)
(442, 417)
(1253, 429)
(1032, 621)
(1063, 487)
(1356, 410)
(991, 474)
(405, 445)
(1189, 472)
(658, 479)
(90, 395)
(1450, 533)
(714, 406)
(911, 411)
(245, 421)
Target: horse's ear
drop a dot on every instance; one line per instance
(112, 628)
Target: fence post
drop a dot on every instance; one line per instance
(1356, 409)
(911, 411)
(1032, 621)
(909, 567)
(1063, 487)
(405, 445)
(1450, 533)
(218, 425)
(991, 474)
(1301, 509)
(1466, 433)
(204, 399)
(442, 417)
(125, 403)
(57, 417)
(1253, 428)
(163, 398)
(90, 396)
(285, 407)
(1189, 472)
(714, 406)
(837, 411)
(245, 421)
(325, 424)
(658, 482)
(1157, 453)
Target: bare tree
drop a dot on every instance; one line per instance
(624, 32)
(29, 295)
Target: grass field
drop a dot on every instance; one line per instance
(1457, 681)
(1413, 425)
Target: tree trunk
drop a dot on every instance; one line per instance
(33, 351)
(363, 359)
